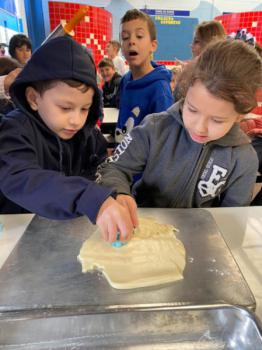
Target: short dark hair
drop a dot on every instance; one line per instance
(43, 85)
(18, 41)
(116, 44)
(106, 62)
(133, 14)
(8, 64)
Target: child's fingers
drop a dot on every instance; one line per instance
(130, 204)
(135, 218)
(111, 231)
(132, 208)
(103, 230)
(113, 217)
(125, 228)
(134, 214)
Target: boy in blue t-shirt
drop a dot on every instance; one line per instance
(145, 89)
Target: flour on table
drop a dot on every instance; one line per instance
(153, 256)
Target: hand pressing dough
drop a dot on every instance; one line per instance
(153, 256)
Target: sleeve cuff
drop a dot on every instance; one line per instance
(92, 200)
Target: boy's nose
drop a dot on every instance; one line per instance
(201, 127)
(75, 118)
(131, 40)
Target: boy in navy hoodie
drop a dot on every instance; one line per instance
(50, 147)
(145, 88)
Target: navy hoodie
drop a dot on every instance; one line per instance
(39, 172)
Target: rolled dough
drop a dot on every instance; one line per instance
(153, 256)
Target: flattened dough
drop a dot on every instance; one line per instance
(153, 256)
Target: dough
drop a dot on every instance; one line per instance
(153, 256)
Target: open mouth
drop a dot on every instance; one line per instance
(133, 53)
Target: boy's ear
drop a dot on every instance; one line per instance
(154, 45)
(31, 96)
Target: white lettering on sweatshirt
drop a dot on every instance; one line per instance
(114, 158)
(211, 186)
(120, 148)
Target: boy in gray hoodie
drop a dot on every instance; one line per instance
(194, 154)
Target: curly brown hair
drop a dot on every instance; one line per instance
(230, 70)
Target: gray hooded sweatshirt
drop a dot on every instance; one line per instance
(178, 172)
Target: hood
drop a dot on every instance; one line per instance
(158, 73)
(59, 58)
(235, 136)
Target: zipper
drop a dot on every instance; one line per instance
(65, 156)
(193, 179)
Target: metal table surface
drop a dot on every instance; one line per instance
(42, 274)
(199, 328)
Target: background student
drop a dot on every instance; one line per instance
(194, 154)
(50, 147)
(146, 87)
(111, 83)
(20, 48)
(205, 33)
(112, 50)
(176, 71)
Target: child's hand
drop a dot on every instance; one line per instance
(129, 203)
(10, 78)
(113, 218)
(252, 127)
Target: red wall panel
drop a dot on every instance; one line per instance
(252, 21)
(94, 31)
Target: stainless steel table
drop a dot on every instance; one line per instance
(43, 276)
